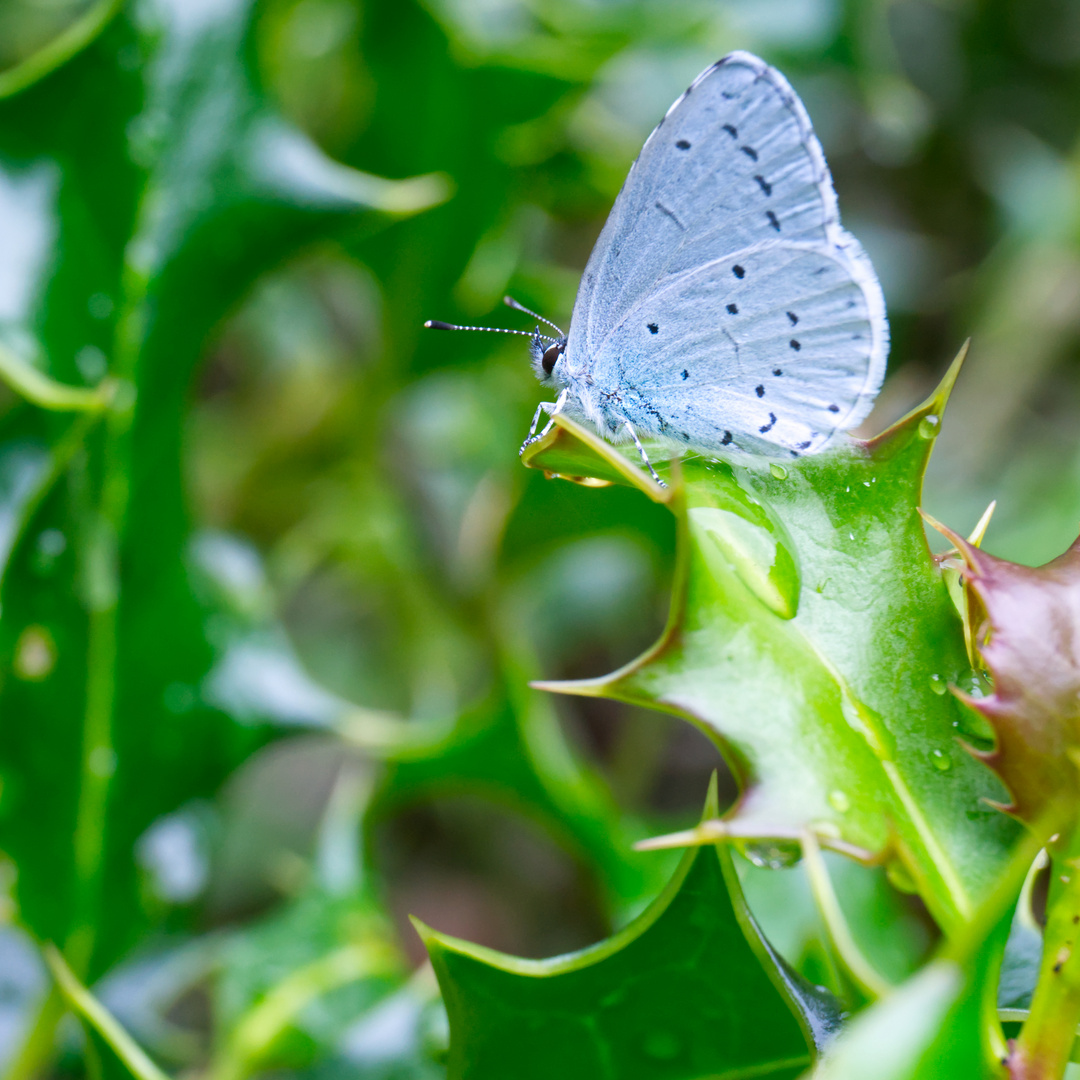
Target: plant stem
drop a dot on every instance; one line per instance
(37, 1048)
(858, 968)
(1046, 1040)
(61, 49)
(94, 1013)
(101, 595)
(258, 1029)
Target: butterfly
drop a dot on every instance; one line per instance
(723, 307)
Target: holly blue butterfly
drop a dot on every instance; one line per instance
(723, 307)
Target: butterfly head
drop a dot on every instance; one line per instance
(546, 351)
(546, 354)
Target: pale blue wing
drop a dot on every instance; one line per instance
(733, 167)
(761, 349)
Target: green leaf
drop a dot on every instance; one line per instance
(688, 989)
(941, 1023)
(811, 634)
(151, 182)
(68, 43)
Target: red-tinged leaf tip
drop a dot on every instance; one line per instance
(939, 527)
(1032, 651)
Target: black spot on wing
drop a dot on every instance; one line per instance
(653, 328)
(769, 426)
(834, 408)
(750, 152)
(726, 439)
(733, 309)
(794, 344)
(804, 445)
(685, 374)
(759, 390)
(764, 184)
(793, 317)
(731, 130)
(777, 371)
(772, 220)
(682, 144)
(738, 271)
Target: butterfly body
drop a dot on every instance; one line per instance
(723, 307)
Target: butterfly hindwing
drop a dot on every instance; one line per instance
(772, 363)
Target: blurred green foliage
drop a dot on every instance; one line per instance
(301, 540)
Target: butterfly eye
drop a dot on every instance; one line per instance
(551, 355)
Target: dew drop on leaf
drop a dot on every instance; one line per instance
(928, 426)
(839, 801)
(778, 471)
(942, 761)
(773, 854)
(937, 684)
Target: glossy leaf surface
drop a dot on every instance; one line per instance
(812, 634)
(149, 182)
(690, 988)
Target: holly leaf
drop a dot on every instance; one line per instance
(812, 635)
(941, 1022)
(690, 988)
(1025, 622)
(150, 180)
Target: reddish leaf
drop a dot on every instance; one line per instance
(1026, 622)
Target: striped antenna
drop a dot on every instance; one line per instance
(434, 324)
(509, 301)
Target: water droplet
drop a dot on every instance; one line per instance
(778, 471)
(839, 801)
(773, 854)
(35, 654)
(928, 426)
(662, 1045)
(937, 684)
(942, 761)
(976, 684)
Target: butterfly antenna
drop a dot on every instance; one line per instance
(434, 324)
(509, 301)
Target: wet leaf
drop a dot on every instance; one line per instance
(149, 181)
(812, 635)
(941, 1022)
(1026, 626)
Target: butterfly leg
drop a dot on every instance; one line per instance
(641, 450)
(550, 407)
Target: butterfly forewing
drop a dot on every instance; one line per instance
(730, 204)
